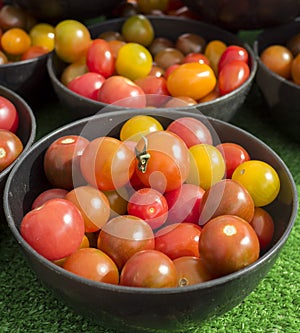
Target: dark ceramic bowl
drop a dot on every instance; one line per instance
(144, 309)
(27, 78)
(282, 96)
(223, 108)
(245, 14)
(26, 131)
(56, 10)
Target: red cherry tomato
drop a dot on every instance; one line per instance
(149, 269)
(55, 229)
(232, 75)
(233, 52)
(34, 51)
(178, 240)
(150, 205)
(87, 84)
(47, 195)
(10, 148)
(9, 117)
(100, 59)
(227, 244)
(196, 57)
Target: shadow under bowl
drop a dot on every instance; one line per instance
(144, 309)
(224, 107)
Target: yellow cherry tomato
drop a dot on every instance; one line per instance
(213, 51)
(42, 34)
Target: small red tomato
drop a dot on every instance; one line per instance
(55, 229)
(234, 155)
(149, 269)
(233, 52)
(121, 91)
(9, 117)
(10, 148)
(92, 264)
(263, 225)
(232, 75)
(34, 51)
(47, 195)
(100, 59)
(87, 85)
(227, 244)
(184, 204)
(196, 57)
(150, 205)
(178, 240)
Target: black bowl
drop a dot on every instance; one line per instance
(282, 96)
(144, 309)
(223, 108)
(26, 131)
(246, 14)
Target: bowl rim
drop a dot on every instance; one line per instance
(32, 135)
(25, 62)
(149, 291)
(253, 66)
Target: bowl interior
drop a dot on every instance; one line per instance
(147, 309)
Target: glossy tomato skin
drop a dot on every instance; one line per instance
(169, 162)
(87, 85)
(227, 244)
(55, 229)
(9, 117)
(149, 269)
(234, 155)
(150, 205)
(100, 59)
(232, 53)
(33, 51)
(196, 57)
(184, 204)
(226, 197)
(121, 91)
(107, 163)
(263, 225)
(10, 148)
(178, 240)
(47, 195)
(232, 75)
(123, 236)
(92, 264)
(61, 161)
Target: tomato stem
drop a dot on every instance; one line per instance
(142, 156)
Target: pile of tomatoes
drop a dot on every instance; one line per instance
(10, 144)
(153, 207)
(284, 60)
(133, 65)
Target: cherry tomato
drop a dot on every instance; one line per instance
(184, 204)
(100, 59)
(87, 85)
(121, 91)
(118, 201)
(178, 240)
(93, 205)
(72, 40)
(192, 79)
(136, 127)
(227, 244)
(150, 205)
(278, 59)
(226, 197)
(133, 61)
(43, 34)
(10, 148)
(15, 41)
(180, 101)
(149, 269)
(196, 57)
(213, 51)
(47, 195)
(160, 43)
(138, 29)
(191, 270)
(55, 229)
(147, 7)
(232, 76)
(260, 179)
(191, 130)
(263, 225)
(73, 70)
(123, 236)
(207, 165)
(167, 161)
(190, 43)
(168, 57)
(33, 52)
(295, 69)
(115, 46)
(9, 117)
(232, 53)
(107, 163)
(61, 161)
(233, 154)
(92, 264)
